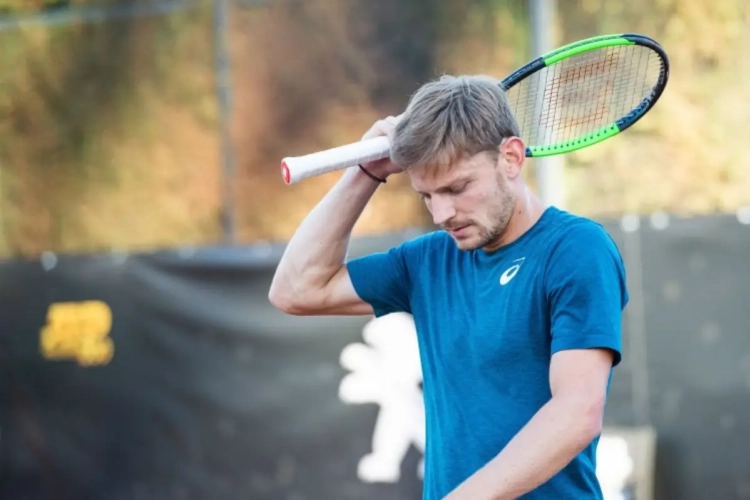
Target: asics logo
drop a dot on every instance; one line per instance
(511, 272)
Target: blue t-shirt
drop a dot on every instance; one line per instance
(488, 324)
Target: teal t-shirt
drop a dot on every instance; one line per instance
(488, 324)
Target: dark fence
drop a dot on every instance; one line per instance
(169, 375)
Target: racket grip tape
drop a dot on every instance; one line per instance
(297, 168)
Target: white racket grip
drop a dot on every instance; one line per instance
(297, 168)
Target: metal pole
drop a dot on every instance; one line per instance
(224, 98)
(550, 170)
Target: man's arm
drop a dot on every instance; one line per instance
(312, 277)
(558, 432)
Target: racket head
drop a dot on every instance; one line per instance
(583, 93)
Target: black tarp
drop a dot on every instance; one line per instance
(211, 393)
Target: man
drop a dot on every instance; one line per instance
(517, 306)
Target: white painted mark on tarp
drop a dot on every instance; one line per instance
(386, 370)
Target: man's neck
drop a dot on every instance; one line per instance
(526, 213)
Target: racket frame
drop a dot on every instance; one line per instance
(588, 45)
(295, 169)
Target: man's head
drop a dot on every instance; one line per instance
(459, 143)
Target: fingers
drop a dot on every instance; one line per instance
(384, 127)
(393, 120)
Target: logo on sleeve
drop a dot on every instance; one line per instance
(511, 272)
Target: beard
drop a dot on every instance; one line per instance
(498, 216)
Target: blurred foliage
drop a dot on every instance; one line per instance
(100, 145)
(689, 154)
(109, 133)
(23, 6)
(36, 6)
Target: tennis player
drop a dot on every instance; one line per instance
(517, 305)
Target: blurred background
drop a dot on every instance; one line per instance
(142, 213)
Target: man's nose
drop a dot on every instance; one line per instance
(442, 210)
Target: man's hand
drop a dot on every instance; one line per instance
(385, 167)
(559, 431)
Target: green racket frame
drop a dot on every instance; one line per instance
(587, 45)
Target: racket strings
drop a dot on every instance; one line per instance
(582, 94)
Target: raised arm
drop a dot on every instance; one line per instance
(312, 277)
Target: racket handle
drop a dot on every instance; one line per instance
(297, 168)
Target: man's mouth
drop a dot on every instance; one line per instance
(458, 230)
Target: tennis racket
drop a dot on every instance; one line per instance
(568, 99)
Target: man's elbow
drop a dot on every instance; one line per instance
(289, 300)
(285, 302)
(281, 302)
(585, 418)
(283, 297)
(591, 420)
(592, 429)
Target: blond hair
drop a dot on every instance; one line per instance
(451, 118)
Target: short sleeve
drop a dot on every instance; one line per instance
(586, 291)
(384, 279)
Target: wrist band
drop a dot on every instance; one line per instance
(370, 175)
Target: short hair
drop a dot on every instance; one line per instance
(451, 118)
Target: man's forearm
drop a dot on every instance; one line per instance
(318, 248)
(558, 432)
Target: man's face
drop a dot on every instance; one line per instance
(472, 200)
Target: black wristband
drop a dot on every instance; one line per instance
(370, 175)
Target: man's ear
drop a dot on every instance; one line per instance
(513, 151)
